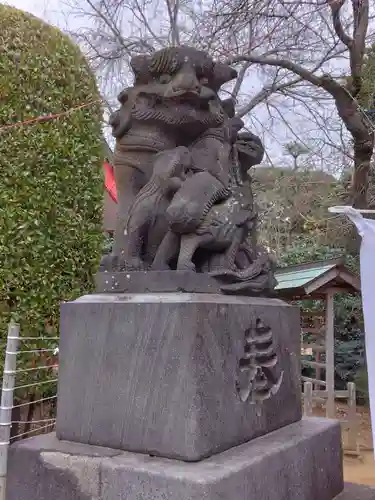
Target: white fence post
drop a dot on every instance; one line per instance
(353, 444)
(307, 399)
(9, 377)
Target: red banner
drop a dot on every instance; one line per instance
(109, 181)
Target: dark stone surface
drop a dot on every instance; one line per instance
(155, 281)
(166, 281)
(165, 373)
(302, 461)
(357, 492)
(31, 478)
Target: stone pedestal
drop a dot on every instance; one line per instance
(181, 376)
(299, 462)
(187, 396)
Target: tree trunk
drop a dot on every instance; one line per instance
(295, 163)
(371, 191)
(362, 133)
(363, 151)
(30, 413)
(16, 417)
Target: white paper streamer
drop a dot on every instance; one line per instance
(366, 229)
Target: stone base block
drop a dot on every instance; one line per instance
(357, 492)
(302, 461)
(177, 375)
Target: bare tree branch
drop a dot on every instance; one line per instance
(336, 6)
(300, 62)
(173, 11)
(240, 79)
(357, 50)
(262, 96)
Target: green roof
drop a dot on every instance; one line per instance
(298, 278)
(316, 278)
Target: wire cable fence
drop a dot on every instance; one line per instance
(29, 391)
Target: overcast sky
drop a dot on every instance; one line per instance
(53, 11)
(37, 7)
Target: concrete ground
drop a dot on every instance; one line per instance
(360, 470)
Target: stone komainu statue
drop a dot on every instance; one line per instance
(181, 162)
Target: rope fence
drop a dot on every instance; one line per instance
(47, 118)
(28, 392)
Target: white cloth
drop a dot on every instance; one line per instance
(366, 229)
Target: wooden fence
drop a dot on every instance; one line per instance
(349, 426)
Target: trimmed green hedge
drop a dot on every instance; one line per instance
(51, 186)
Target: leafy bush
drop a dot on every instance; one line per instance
(361, 382)
(108, 243)
(293, 207)
(306, 249)
(51, 173)
(349, 359)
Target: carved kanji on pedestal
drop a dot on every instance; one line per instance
(258, 376)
